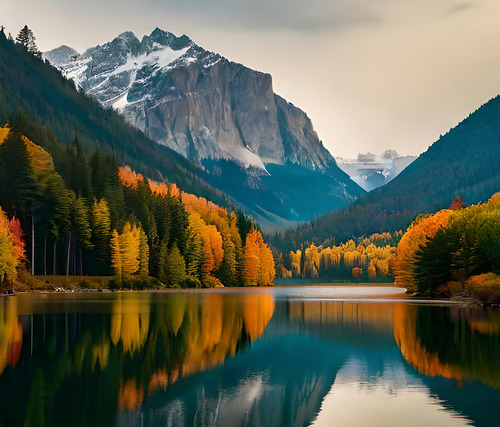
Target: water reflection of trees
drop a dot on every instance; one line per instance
(11, 333)
(458, 343)
(117, 359)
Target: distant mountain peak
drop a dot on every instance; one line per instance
(370, 171)
(61, 55)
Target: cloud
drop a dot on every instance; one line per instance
(459, 8)
(269, 15)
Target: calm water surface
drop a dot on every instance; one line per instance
(285, 356)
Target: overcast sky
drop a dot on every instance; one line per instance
(371, 74)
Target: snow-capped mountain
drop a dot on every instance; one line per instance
(370, 171)
(61, 55)
(217, 113)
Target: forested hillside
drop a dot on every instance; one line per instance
(82, 215)
(463, 162)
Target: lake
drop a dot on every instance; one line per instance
(283, 356)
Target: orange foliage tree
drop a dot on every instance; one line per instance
(11, 247)
(259, 261)
(416, 235)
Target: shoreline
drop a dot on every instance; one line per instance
(411, 299)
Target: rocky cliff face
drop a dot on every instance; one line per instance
(219, 114)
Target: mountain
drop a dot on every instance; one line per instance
(61, 55)
(33, 87)
(370, 171)
(463, 162)
(253, 144)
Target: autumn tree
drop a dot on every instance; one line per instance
(126, 250)
(416, 236)
(252, 257)
(259, 261)
(11, 252)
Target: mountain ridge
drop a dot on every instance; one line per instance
(220, 115)
(463, 162)
(115, 84)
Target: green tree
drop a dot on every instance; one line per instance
(175, 271)
(81, 223)
(57, 208)
(101, 229)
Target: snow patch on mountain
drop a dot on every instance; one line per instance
(160, 58)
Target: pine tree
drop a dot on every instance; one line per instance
(116, 255)
(81, 223)
(143, 254)
(101, 227)
(26, 38)
(175, 267)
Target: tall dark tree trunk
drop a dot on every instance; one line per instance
(45, 255)
(81, 262)
(69, 253)
(54, 270)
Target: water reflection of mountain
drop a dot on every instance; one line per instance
(233, 358)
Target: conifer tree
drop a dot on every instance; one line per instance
(143, 254)
(26, 38)
(101, 227)
(81, 223)
(175, 267)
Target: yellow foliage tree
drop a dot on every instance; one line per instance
(259, 261)
(126, 250)
(252, 255)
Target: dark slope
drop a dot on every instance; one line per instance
(464, 162)
(35, 87)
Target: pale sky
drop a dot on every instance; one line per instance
(371, 74)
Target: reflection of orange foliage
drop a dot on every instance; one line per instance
(11, 334)
(130, 320)
(257, 313)
(214, 332)
(208, 342)
(130, 396)
(487, 324)
(405, 318)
